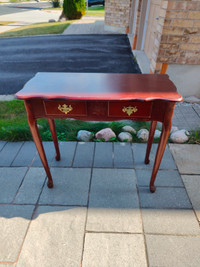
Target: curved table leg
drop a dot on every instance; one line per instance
(38, 142)
(150, 141)
(52, 128)
(162, 144)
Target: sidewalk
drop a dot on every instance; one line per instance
(27, 17)
(100, 211)
(88, 25)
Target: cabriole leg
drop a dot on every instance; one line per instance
(38, 142)
(54, 136)
(150, 141)
(162, 143)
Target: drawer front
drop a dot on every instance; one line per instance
(67, 108)
(129, 109)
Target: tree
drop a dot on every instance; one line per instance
(74, 9)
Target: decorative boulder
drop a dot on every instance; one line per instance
(40, 126)
(84, 136)
(157, 134)
(173, 129)
(180, 136)
(105, 134)
(192, 99)
(52, 20)
(125, 136)
(159, 125)
(143, 134)
(129, 129)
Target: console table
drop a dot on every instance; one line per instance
(100, 97)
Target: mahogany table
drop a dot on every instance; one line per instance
(100, 96)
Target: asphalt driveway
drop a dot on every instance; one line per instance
(21, 58)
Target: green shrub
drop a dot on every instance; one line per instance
(56, 3)
(74, 9)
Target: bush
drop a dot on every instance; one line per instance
(56, 3)
(74, 9)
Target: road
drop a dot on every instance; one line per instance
(22, 7)
(21, 58)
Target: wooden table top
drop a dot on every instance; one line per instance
(100, 86)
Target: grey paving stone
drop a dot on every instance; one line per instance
(67, 150)
(14, 221)
(55, 238)
(186, 157)
(164, 198)
(84, 155)
(9, 152)
(173, 251)
(114, 250)
(113, 204)
(71, 187)
(177, 222)
(103, 156)
(2, 144)
(114, 220)
(25, 155)
(164, 178)
(113, 189)
(123, 155)
(49, 151)
(192, 185)
(139, 156)
(10, 180)
(31, 186)
(197, 109)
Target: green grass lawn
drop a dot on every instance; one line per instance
(2, 23)
(96, 11)
(37, 29)
(14, 125)
(92, 11)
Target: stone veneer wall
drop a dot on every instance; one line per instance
(178, 34)
(117, 14)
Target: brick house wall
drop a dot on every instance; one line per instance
(117, 14)
(177, 40)
(176, 44)
(178, 34)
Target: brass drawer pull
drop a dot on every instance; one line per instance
(129, 110)
(65, 108)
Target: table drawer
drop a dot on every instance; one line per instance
(129, 109)
(65, 107)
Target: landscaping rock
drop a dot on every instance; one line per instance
(157, 134)
(191, 99)
(129, 129)
(159, 125)
(52, 20)
(40, 126)
(105, 134)
(180, 136)
(125, 136)
(143, 134)
(84, 136)
(173, 129)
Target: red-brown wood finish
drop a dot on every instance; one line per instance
(52, 128)
(100, 86)
(100, 97)
(167, 123)
(150, 141)
(37, 139)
